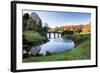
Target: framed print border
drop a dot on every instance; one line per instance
(14, 37)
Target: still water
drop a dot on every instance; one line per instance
(56, 45)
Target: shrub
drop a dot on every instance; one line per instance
(67, 32)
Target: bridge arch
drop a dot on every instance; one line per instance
(53, 34)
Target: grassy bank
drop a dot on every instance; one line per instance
(80, 52)
(78, 38)
(34, 37)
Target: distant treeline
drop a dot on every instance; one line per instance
(79, 28)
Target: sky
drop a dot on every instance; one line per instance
(57, 19)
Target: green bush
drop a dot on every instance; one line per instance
(27, 48)
(67, 32)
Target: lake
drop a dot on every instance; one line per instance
(54, 45)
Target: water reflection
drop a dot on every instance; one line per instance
(56, 45)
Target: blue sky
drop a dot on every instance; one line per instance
(62, 18)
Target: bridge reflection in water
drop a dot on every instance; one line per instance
(53, 35)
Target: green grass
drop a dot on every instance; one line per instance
(78, 38)
(34, 37)
(85, 33)
(81, 52)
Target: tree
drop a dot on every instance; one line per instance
(67, 32)
(39, 27)
(45, 30)
(30, 24)
(56, 29)
(37, 22)
(86, 28)
(46, 27)
(25, 18)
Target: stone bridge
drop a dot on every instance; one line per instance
(55, 34)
